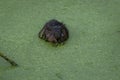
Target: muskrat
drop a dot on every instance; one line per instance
(54, 32)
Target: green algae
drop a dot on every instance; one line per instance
(91, 52)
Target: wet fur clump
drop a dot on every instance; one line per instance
(54, 32)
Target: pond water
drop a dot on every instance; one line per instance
(91, 53)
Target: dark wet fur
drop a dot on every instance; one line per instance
(54, 31)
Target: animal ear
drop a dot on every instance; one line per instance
(64, 34)
(41, 33)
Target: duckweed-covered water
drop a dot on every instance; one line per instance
(91, 53)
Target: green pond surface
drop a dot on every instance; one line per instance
(92, 51)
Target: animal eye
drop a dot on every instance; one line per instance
(62, 34)
(48, 29)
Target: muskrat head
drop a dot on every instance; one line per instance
(54, 31)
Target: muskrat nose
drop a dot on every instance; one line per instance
(52, 38)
